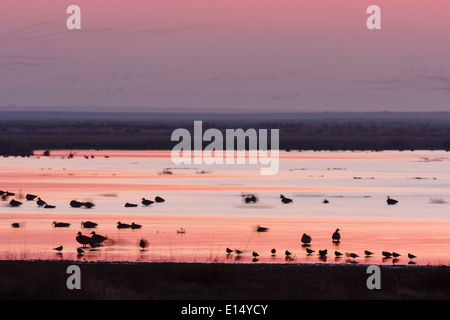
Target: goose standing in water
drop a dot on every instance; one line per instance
(135, 226)
(391, 201)
(261, 229)
(121, 225)
(130, 205)
(88, 224)
(229, 251)
(59, 249)
(310, 251)
(14, 203)
(306, 239)
(368, 253)
(323, 253)
(147, 202)
(76, 204)
(158, 199)
(88, 205)
(40, 202)
(285, 200)
(250, 198)
(337, 254)
(336, 236)
(411, 256)
(143, 244)
(60, 224)
(273, 251)
(97, 239)
(82, 239)
(30, 197)
(15, 225)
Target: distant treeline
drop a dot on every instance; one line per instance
(21, 137)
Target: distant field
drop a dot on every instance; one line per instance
(23, 132)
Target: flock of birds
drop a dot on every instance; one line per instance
(251, 198)
(96, 240)
(306, 239)
(322, 254)
(74, 203)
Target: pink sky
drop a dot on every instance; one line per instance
(254, 55)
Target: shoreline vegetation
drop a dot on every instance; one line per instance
(22, 132)
(46, 279)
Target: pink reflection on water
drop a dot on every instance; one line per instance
(207, 238)
(208, 206)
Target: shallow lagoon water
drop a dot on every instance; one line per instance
(206, 201)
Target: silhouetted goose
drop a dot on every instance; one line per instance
(123, 225)
(238, 252)
(40, 202)
(30, 197)
(352, 255)
(14, 203)
(158, 199)
(368, 253)
(250, 198)
(10, 194)
(306, 239)
(255, 254)
(82, 239)
(15, 225)
(391, 201)
(325, 201)
(97, 239)
(143, 244)
(285, 200)
(287, 253)
(309, 251)
(396, 255)
(48, 206)
(147, 202)
(273, 251)
(386, 254)
(88, 205)
(76, 204)
(88, 224)
(181, 230)
(336, 236)
(59, 249)
(337, 254)
(229, 251)
(135, 226)
(261, 229)
(2, 192)
(60, 224)
(130, 205)
(411, 256)
(323, 253)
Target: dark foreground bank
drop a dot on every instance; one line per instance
(198, 281)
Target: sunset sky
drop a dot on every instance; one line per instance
(226, 55)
